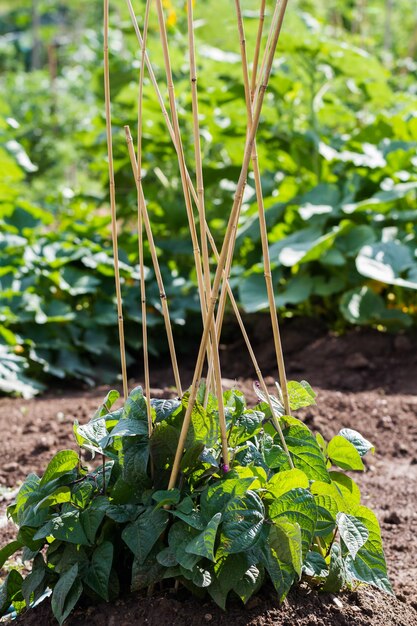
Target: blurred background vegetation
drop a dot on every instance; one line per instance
(337, 147)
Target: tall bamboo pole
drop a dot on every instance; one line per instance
(259, 98)
(213, 351)
(112, 191)
(155, 262)
(140, 225)
(262, 221)
(258, 46)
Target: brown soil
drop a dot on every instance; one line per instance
(365, 380)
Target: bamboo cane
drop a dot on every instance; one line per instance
(112, 191)
(158, 275)
(258, 46)
(262, 222)
(259, 97)
(140, 225)
(213, 350)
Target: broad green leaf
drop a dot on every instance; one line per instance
(167, 496)
(10, 590)
(336, 580)
(242, 522)
(353, 532)
(164, 408)
(315, 565)
(92, 517)
(215, 498)
(287, 542)
(284, 481)
(179, 537)
(361, 444)
(111, 397)
(61, 495)
(363, 306)
(65, 527)
(299, 507)
(135, 406)
(135, 461)
(343, 453)
(346, 486)
(369, 565)
(9, 549)
(203, 544)
(61, 463)
(387, 262)
(199, 576)
(66, 594)
(250, 583)
(128, 427)
(142, 534)
(305, 451)
(300, 394)
(98, 573)
(230, 569)
(34, 584)
(281, 574)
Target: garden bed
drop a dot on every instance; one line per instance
(364, 381)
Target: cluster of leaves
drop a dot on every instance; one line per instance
(91, 532)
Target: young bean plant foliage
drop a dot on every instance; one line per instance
(92, 532)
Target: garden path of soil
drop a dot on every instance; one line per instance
(365, 380)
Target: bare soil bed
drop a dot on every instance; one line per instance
(365, 380)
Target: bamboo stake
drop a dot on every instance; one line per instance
(112, 191)
(140, 226)
(158, 275)
(226, 243)
(262, 222)
(197, 152)
(211, 328)
(258, 46)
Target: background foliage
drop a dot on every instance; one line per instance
(337, 146)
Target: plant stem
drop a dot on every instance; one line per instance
(113, 199)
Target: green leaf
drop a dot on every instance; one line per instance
(343, 453)
(164, 408)
(361, 444)
(315, 565)
(179, 537)
(66, 594)
(98, 574)
(215, 498)
(203, 544)
(300, 394)
(142, 534)
(305, 451)
(128, 427)
(369, 564)
(346, 486)
(92, 517)
(65, 527)
(9, 549)
(363, 306)
(135, 406)
(243, 518)
(287, 543)
(10, 590)
(61, 463)
(388, 262)
(250, 583)
(284, 481)
(167, 496)
(353, 532)
(281, 574)
(299, 507)
(34, 584)
(336, 579)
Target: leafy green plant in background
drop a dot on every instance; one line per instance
(91, 532)
(337, 146)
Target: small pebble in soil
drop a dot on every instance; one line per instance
(337, 601)
(208, 617)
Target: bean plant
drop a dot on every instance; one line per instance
(93, 529)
